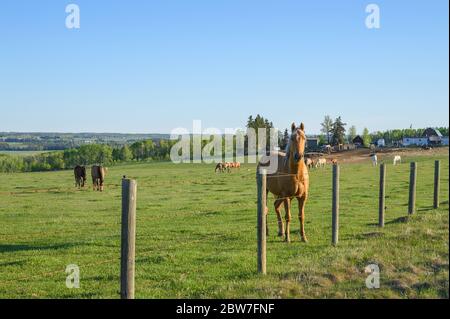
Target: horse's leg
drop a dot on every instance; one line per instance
(287, 208)
(301, 217)
(277, 205)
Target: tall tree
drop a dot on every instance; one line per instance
(366, 137)
(125, 154)
(284, 139)
(327, 127)
(260, 122)
(338, 131)
(352, 132)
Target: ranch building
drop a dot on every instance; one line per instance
(415, 141)
(430, 137)
(312, 143)
(358, 141)
(434, 136)
(381, 142)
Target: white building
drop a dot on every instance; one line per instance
(415, 141)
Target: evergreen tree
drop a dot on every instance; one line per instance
(338, 131)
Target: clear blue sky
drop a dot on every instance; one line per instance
(150, 66)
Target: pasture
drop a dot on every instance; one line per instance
(196, 235)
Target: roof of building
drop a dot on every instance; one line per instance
(431, 132)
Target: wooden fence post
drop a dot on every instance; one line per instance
(261, 229)
(128, 240)
(335, 206)
(437, 177)
(382, 196)
(412, 188)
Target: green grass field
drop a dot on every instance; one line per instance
(196, 235)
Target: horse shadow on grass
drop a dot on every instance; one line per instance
(22, 247)
(400, 220)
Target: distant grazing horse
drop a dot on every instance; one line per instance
(321, 162)
(397, 159)
(374, 158)
(290, 180)
(80, 176)
(309, 163)
(98, 177)
(220, 167)
(227, 166)
(334, 161)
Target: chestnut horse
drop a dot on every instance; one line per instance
(291, 180)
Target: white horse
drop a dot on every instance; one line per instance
(321, 162)
(397, 160)
(374, 158)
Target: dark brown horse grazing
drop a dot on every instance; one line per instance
(80, 176)
(220, 167)
(291, 180)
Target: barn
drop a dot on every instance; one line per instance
(312, 143)
(433, 135)
(430, 136)
(358, 141)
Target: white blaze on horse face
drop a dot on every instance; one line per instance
(373, 19)
(183, 146)
(73, 19)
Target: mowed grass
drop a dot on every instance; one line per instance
(196, 235)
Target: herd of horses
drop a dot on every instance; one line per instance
(318, 162)
(374, 158)
(227, 167)
(98, 174)
(289, 181)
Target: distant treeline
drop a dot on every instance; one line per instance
(64, 141)
(391, 136)
(87, 155)
(145, 150)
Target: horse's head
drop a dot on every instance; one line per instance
(297, 142)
